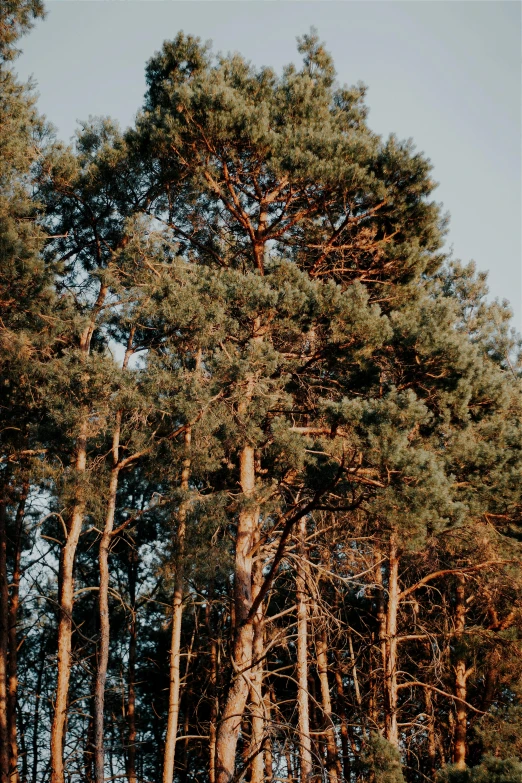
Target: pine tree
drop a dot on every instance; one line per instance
(381, 761)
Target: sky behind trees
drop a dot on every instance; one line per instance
(446, 74)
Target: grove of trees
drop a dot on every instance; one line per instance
(261, 445)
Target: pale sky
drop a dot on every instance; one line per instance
(445, 73)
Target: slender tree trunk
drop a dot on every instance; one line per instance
(213, 696)
(131, 673)
(228, 733)
(88, 755)
(66, 600)
(177, 613)
(341, 710)
(432, 745)
(461, 676)
(269, 772)
(305, 743)
(381, 638)
(373, 716)
(36, 716)
(490, 684)
(4, 626)
(354, 672)
(185, 758)
(289, 766)
(66, 575)
(103, 592)
(256, 696)
(12, 691)
(103, 603)
(23, 745)
(316, 723)
(333, 763)
(392, 734)
(234, 708)
(131, 699)
(111, 748)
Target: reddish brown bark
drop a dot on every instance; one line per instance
(269, 773)
(305, 743)
(341, 710)
(391, 728)
(381, 637)
(333, 764)
(461, 678)
(131, 697)
(213, 696)
(432, 743)
(12, 678)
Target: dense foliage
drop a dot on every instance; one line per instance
(261, 445)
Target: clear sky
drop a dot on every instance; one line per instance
(447, 74)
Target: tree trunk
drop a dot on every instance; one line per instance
(269, 772)
(228, 733)
(66, 600)
(88, 755)
(177, 612)
(23, 745)
(256, 696)
(103, 592)
(373, 716)
(305, 743)
(103, 603)
(66, 574)
(185, 758)
(290, 777)
(247, 526)
(392, 734)
(374, 713)
(354, 672)
(432, 744)
(4, 624)
(341, 710)
(213, 696)
(12, 682)
(333, 764)
(131, 699)
(36, 716)
(461, 677)
(490, 684)
(131, 673)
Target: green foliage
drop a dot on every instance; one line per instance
(500, 731)
(490, 770)
(381, 761)
(231, 142)
(16, 18)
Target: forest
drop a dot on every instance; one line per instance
(261, 444)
